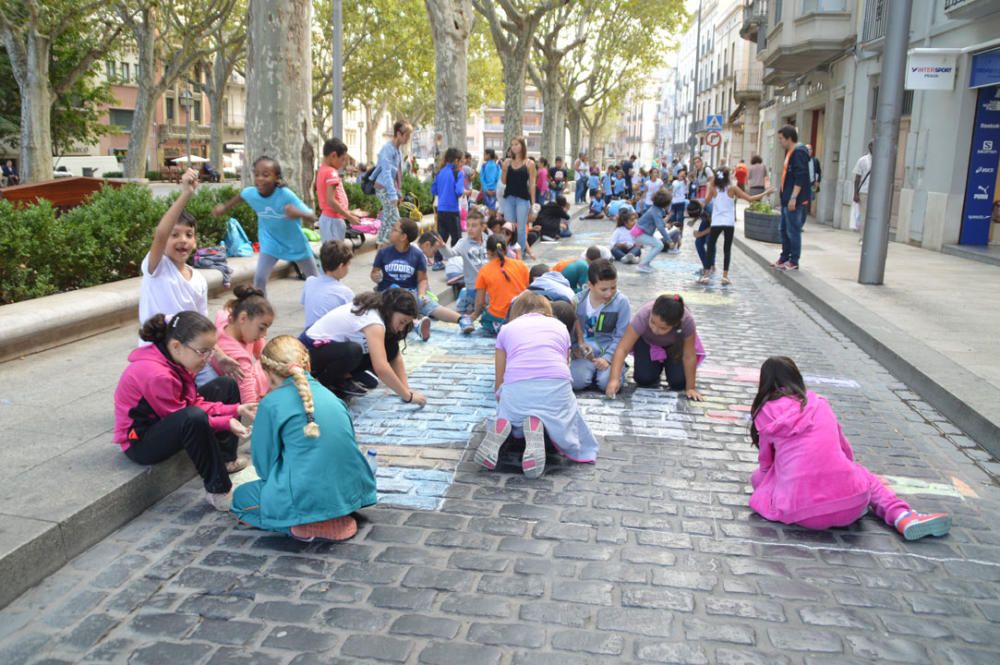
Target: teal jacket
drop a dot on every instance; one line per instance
(307, 480)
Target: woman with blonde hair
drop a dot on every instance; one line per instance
(312, 475)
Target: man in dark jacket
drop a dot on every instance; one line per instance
(796, 192)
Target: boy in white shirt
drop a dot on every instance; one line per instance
(325, 292)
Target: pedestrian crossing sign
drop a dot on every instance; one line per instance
(714, 123)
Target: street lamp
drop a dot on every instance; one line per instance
(187, 101)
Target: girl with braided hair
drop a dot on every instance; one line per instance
(312, 474)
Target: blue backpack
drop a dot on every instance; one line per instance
(237, 242)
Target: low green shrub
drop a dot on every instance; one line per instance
(358, 199)
(25, 249)
(211, 230)
(762, 207)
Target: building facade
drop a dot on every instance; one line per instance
(822, 64)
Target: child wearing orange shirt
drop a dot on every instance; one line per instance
(501, 280)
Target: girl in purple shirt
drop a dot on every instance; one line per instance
(534, 390)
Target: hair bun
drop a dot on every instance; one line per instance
(244, 291)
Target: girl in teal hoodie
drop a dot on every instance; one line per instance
(312, 475)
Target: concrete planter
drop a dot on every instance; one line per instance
(761, 226)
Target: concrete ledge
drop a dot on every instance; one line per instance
(961, 396)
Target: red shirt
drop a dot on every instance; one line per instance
(327, 175)
(741, 174)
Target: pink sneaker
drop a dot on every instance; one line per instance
(777, 264)
(488, 451)
(914, 525)
(533, 462)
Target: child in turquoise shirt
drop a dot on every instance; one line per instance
(312, 475)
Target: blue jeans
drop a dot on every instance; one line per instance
(677, 212)
(620, 253)
(790, 227)
(516, 209)
(581, 190)
(653, 245)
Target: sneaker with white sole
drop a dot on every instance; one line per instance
(533, 462)
(222, 502)
(644, 269)
(425, 328)
(488, 451)
(367, 380)
(465, 323)
(914, 526)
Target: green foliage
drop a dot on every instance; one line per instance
(101, 241)
(358, 199)
(762, 207)
(421, 190)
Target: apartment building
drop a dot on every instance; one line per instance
(822, 64)
(636, 132)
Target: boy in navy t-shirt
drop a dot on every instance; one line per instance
(402, 265)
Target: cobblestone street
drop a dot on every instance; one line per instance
(651, 555)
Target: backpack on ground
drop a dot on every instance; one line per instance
(237, 242)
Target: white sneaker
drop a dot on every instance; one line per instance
(644, 269)
(631, 259)
(221, 502)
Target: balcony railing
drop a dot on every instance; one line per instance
(754, 17)
(875, 21)
(749, 82)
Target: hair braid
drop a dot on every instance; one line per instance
(284, 356)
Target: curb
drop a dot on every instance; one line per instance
(33, 548)
(958, 394)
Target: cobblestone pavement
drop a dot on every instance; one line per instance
(651, 555)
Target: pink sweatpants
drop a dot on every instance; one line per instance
(881, 500)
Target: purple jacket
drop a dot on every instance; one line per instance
(151, 388)
(807, 467)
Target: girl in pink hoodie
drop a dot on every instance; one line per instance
(242, 326)
(807, 473)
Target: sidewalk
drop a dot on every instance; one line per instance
(931, 323)
(63, 485)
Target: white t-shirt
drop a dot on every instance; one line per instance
(583, 172)
(863, 168)
(166, 291)
(605, 253)
(652, 187)
(343, 325)
(621, 236)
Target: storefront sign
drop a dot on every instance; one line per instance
(981, 183)
(930, 71)
(985, 69)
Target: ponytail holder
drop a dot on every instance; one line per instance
(310, 418)
(173, 321)
(292, 366)
(677, 296)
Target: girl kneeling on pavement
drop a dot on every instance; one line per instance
(662, 338)
(354, 346)
(807, 474)
(312, 474)
(534, 390)
(159, 411)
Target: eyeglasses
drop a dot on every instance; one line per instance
(202, 353)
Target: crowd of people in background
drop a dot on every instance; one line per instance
(206, 384)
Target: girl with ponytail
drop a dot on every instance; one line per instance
(501, 280)
(312, 474)
(159, 411)
(242, 326)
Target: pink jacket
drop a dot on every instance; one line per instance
(807, 467)
(151, 388)
(254, 384)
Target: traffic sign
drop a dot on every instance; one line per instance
(713, 139)
(713, 123)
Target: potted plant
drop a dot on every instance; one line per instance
(761, 221)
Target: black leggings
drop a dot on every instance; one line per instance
(449, 227)
(727, 246)
(189, 430)
(646, 371)
(333, 362)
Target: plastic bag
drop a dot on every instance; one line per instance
(855, 216)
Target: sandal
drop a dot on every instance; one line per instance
(335, 530)
(704, 279)
(726, 281)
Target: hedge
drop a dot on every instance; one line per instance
(411, 185)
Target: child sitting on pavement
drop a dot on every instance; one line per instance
(623, 245)
(549, 283)
(471, 249)
(322, 293)
(401, 265)
(312, 474)
(807, 474)
(552, 222)
(159, 411)
(169, 285)
(534, 392)
(499, 281)
(603, 314)
(596, 208)
(242, 327)
(575, 270)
